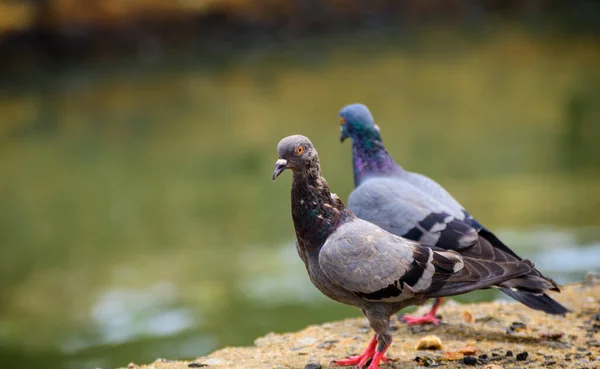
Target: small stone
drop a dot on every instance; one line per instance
(425, 361)
(492, 366)
(197, 365)
(468, 350)
(522, 356)
(429, 343)
(467, 317)
(554, 336)
(483, 358)
(452, 356)
(132, 366)
(312, 366)
(509, 353)
(495, 357)
(516, 327)
(470, 360)
(549, 362)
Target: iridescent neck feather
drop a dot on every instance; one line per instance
(370, 158)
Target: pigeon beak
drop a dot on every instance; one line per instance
(280, 166)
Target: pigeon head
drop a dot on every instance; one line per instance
(296, 153)
(357, 123)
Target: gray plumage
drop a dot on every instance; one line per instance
(398, 204)
(418, 208)
(358, 263)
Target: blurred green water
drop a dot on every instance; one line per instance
(138, 217)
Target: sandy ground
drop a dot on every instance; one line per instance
(492, 335)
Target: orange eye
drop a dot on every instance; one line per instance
(299, 150)
(342, 121)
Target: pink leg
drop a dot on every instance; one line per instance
(379, 356)
(427, 318)
(361, 360)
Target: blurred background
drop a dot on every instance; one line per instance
(138, 219)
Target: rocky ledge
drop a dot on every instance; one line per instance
(486, 335)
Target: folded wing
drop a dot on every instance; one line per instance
(378, 266)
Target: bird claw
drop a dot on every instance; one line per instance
(352, 360)
(360, 361)
(425, 319)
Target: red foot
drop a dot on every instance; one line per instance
(425, 319)
(379, 356)
(428, 318)
(361, 360)
(369, 354)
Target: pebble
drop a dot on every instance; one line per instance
(553, 336)
(452, 355)
(132, 366)
(468, 350)
(509, 353)
(470, 360)
(429, 343)
(196, 365)
(313, 366)
(522, 356)
(425, 361)
(516, 327)
(495, 358)
(467, 317)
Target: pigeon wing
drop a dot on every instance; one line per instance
(377, 265)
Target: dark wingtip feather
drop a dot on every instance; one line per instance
(543, 302)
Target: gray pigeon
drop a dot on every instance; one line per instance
(357, 263)
(414, 206)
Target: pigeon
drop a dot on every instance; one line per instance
(357, 263)
(414, 206)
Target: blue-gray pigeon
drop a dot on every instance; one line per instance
(357, 263)
(414, 206)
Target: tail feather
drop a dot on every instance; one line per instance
(542, 302)
(496, 243)
(529, 283)
(476, 274)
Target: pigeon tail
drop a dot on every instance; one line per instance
(542, 302)
(491, 238)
